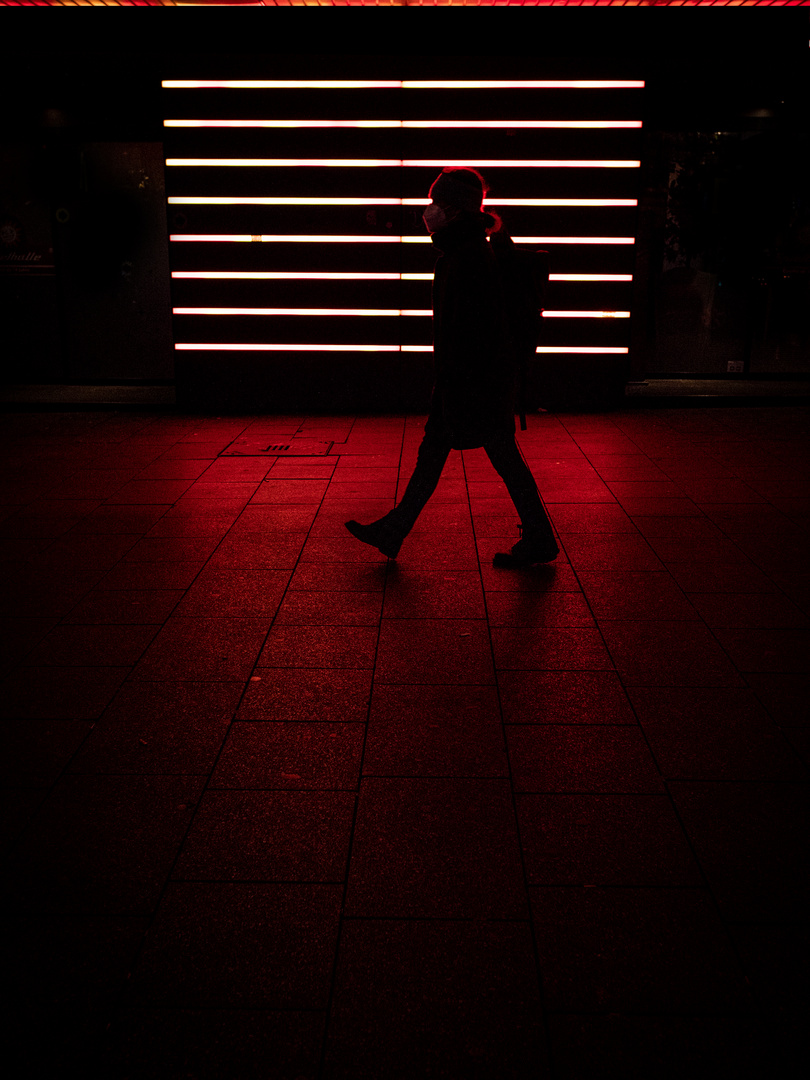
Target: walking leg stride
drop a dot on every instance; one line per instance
(537, 543)
(388, 533)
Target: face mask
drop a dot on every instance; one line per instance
(434, 217)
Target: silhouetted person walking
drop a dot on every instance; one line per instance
(473, 401)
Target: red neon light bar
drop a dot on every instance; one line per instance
(586, 314)
(284, 347)
(284, 275)
(280, 200)
(574, 239)
(262, 163)
(552, 202)
(294, 200)
(281, 275)
(580, 349)
(527, 84)
(420, 312)
(247, 238)
(394, 163)
(357, 84)
(405, 123)
(294, 311)
(193, 346)
(590, 277)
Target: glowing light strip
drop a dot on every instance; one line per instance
(580, 349)
(260, 163)
(523, 123)
(403, 123)
(574, 239)
(282, 275)
(391, 84)
(390, 163)
(543, 239)
(525, 84)
(552, 202)
(286, 347)
(187, 346)
(279, 84)
(420, 312)
(296, 311)
(281, 200)
(284, 123)
(590, 277)
(586, 314)
(247, 238)
(290, 200)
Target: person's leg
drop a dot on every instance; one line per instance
(430, 462)
(388, 533)
(537, 543)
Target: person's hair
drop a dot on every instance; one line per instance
(492, 222)
(472, 178)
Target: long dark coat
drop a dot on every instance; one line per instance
(475, 376)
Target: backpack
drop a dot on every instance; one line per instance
(524, 281)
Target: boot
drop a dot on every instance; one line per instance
(533, 547)
(379, 534)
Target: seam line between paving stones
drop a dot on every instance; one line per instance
(121, 1005)
(758, 1000)
(20, 663)
(538, 971)
(357, 790)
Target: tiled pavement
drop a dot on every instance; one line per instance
(278, 808)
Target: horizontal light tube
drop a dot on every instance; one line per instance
(259, 163)
(286, 347)
(395, 163)
(292, 200)
(509, 124)
(281, 200)
(282, 275)
(574, 239)
(590, 277)
(296, 311)
(397, 84)
(523, 84)
(581, 349)
(281, 84)
(188, 346)
(291, 275)
(586, 314)
(283, 123)
(247, 238)
(550, 202)
(420, 312)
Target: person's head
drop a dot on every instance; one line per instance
(454, 192)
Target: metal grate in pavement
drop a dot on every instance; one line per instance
(266, 446)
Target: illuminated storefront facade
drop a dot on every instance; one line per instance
(320, 249)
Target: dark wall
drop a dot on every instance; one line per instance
(729, 179)
(83, 251)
